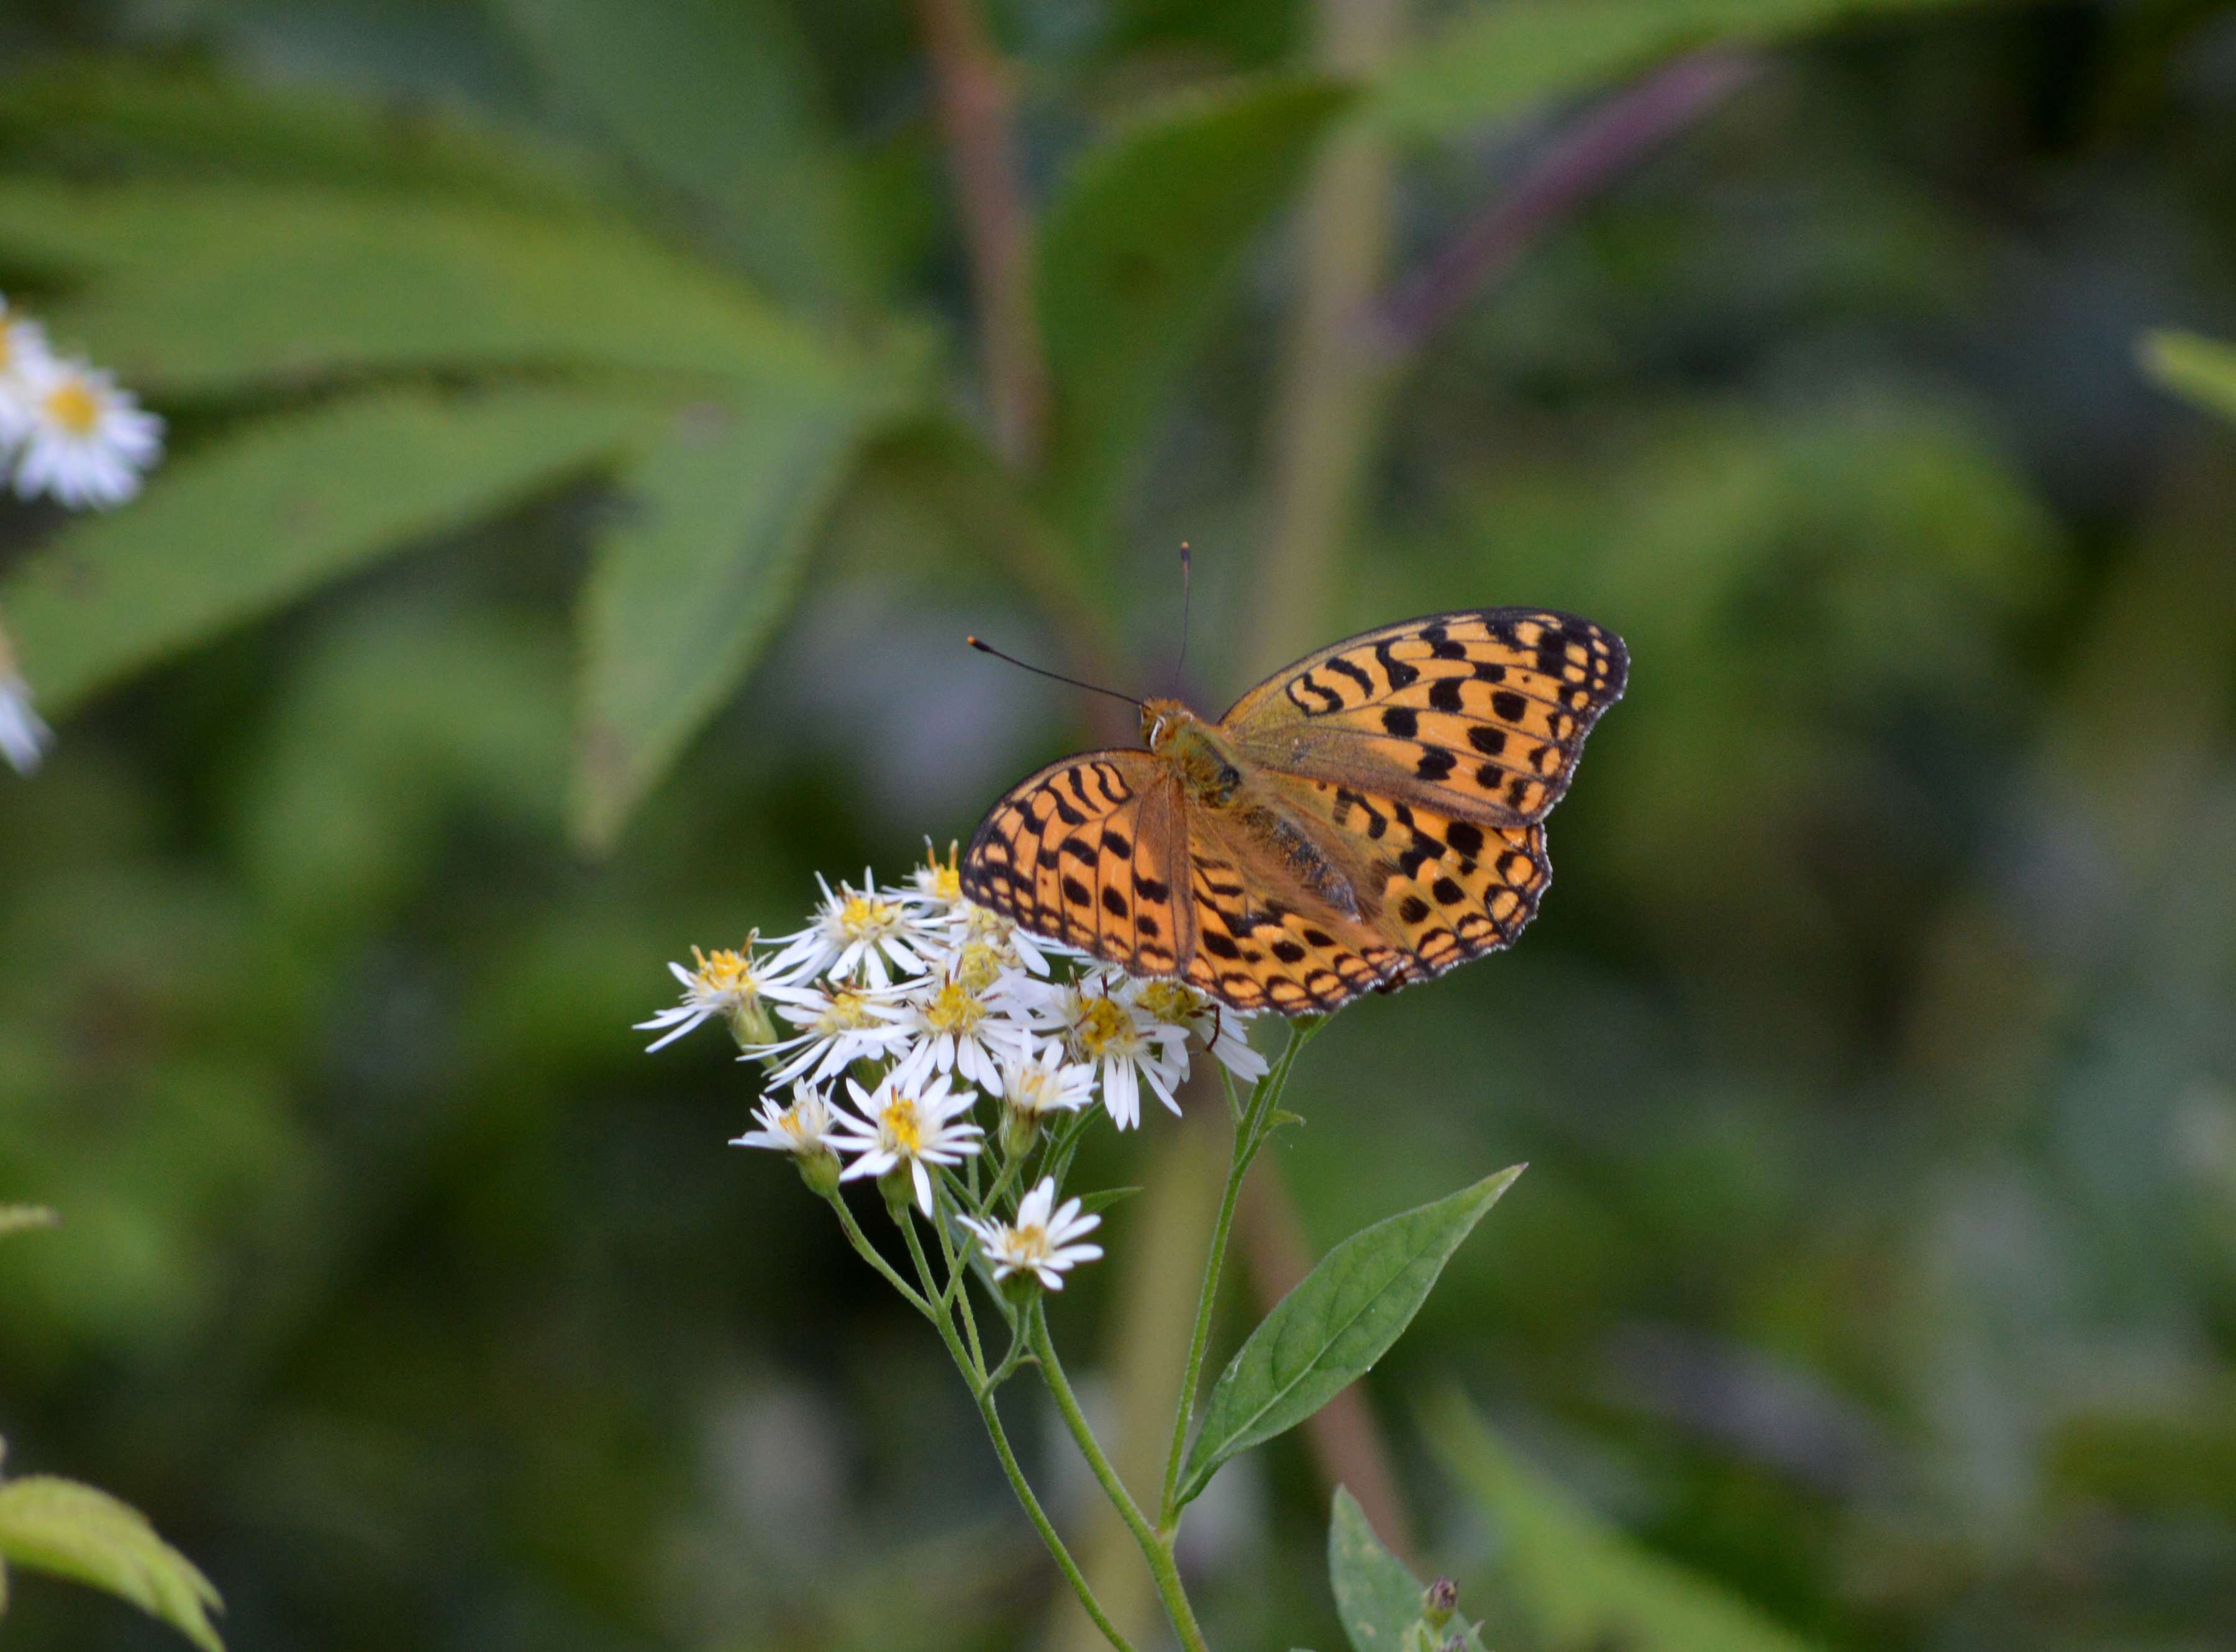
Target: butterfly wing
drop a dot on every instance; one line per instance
(1430, 891)
(1479, 715)
(1092, 851)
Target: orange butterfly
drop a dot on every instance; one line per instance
(1368, 818)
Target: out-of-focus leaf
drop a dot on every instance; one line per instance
(109, 120)
(1583, 1583)
(1490, 60)
(2203, 370)
(71, 1529)
(233, 532)
(1140, 247)
(1332, 1328)
(1376, 1598)
(712, 97)
(691, 583)
(211, 287)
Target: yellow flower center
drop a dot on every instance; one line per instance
(724, 973)
(1102, 1024)
(902, 1125)
(864, 917)
(1172, 1002)
(73, 405)
(978, 967)
(941, 879)
(847, 1011)
(1029, 1244)
(954, 1008)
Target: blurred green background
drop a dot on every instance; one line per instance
(594, 427)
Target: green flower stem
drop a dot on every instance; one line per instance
(957, 1271)
(1038, 1516)
(868, 1252)
(1249, 1135)
(1156, 1548)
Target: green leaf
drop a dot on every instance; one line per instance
(1332, 1328)
(229, 533)
(1093, 1204)
(75, 1531)
(1376, 1598)
(713, 97)
(685, 589)
(1492, 60)
(2203, 370)
(1585, 1583)
(185, 288)
(1138, 253)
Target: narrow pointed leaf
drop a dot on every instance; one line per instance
(1332, 1328)
(76, 1531)
(693, 580)
(1584, 1582)
(1376, 1598)
(2203, 370)
(228, 534)
(1140, 250)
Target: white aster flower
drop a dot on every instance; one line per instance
(24, 737)
(87, 442)
(1043, 1083)
(935, 889)
(732, 984)
(1225, 1032)
(983, 926)
(23, 353)
(855, 935)
(915, 1125)
(1042, 1239)
(957, 1025)
(839, 1025)
(802, 1128)
(1124, 1043)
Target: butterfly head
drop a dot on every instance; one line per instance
(1192, 747)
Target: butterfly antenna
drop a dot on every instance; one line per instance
(1187, 591)
(1057, 676)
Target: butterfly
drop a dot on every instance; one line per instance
(1367, 817)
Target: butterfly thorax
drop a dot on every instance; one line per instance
(1194, 751)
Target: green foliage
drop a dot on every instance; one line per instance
(245, 526)
(2204, 369)
(694, 578)
(1381, 1603)
(75, 1531)
(1329, 1331)
(1583, 1583)
(1141, 249)
(1490, 60)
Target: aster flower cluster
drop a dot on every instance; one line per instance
(912, 1037)
(68, 431)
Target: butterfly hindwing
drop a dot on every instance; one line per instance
(1482, 713)
(1090, 852)
(1264, 940)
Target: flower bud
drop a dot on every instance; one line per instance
(1439, 1601)
(819, 1170)
(1019, 1130)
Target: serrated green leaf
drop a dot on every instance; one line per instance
(230, 532)
(1138, 253)
(713, 97)
(1376, 1595)
(1332, 1328)
(1492, 60)
(76, 1531)
(2202, 369)
(214, 287)
(15, 1218)
(1584, 1582)
(692, 582)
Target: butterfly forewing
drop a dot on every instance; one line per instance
(1263, 940)
(1482, 713)
(1090, 852)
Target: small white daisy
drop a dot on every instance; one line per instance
(730, 984)
(839, 1025)
(23, 355)
(906, 1124)
(87, 442)
(1121, 1041)
(1225, 1032)
(1043, 1083)
(857, 934)
(1042, 1239)
(955, 1026)
(935, 889)
(801, 1128)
